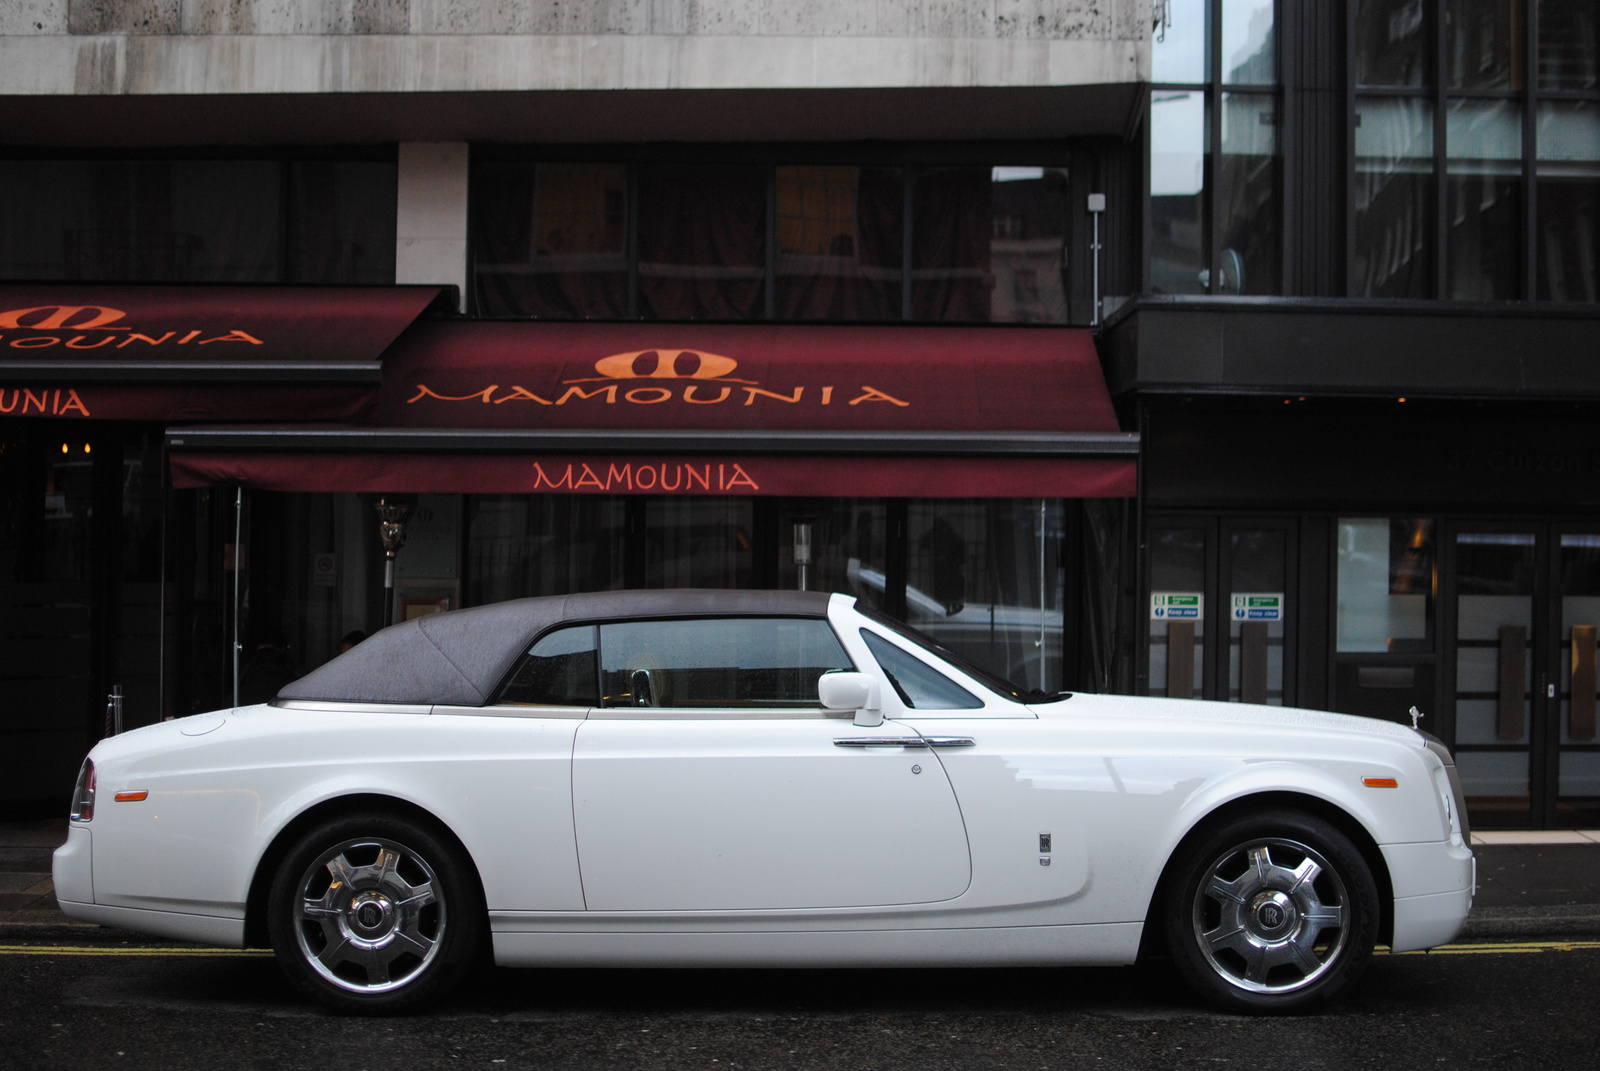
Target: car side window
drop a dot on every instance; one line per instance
(751, 662)
(558, 670)
(920, 687)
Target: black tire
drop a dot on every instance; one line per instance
(373, 914)
(1271, 914)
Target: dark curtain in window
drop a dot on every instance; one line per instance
(341, 222)
(702, 242)
(548, 240)
(950, 276)
(840, 242)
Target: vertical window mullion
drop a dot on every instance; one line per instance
(1213, 146)
(906, 237)
(631, 235)
(1530, 147)
(771, 292)
(1441, 181)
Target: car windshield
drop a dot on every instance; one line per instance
(997, 684)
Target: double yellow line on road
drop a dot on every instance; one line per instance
(1485, 948)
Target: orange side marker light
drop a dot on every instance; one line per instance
(131, 797)
(1370, 782)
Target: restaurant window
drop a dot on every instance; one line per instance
(201, 221)
(522, 545)
(1507, 215)
(1215, 169)
(649, 239)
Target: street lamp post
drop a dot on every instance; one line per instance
(393, 512)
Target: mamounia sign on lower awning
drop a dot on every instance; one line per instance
(705, 409)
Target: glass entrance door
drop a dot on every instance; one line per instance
(1522, 640)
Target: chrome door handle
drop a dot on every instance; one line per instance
(879, 741)
(948, 741)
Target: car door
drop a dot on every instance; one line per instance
(711, 779)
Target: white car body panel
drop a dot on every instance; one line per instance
(720, 838)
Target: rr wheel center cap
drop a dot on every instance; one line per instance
(1273, 916)
(371, 914)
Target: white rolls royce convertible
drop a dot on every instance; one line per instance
(720, 778)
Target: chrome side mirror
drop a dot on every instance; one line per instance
(840, 690)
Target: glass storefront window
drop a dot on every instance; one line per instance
(550, 240)
(1386, 584)
(985, 578)
(1257, 613)
(1178, 251)
(1392, 44)
(988, 244)
(1247, 195)
(840, 239)
(1483, 44)
(522, 545)
(1568, 172)
(1249, 49)
(1569, 45)
(1483, 141)
(1179, 51)
(1177, 578)
(702, 242)
(848, 537)
(341, 216)
(698, 542)
(1392, 254)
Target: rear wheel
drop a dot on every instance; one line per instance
(1272, 914)
(372, 913)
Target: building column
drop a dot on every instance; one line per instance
(431, 215)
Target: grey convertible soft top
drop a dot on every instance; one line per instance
(459, 658)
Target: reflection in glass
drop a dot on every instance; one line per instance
(974, 583)
(1179, 53)
(1483, 44)
(1484, 189)
(742, 662)
(142, 220)
(1578, 800)
(1249, 52)
(1177, 567)
(1385, 584)
(549, 240)
(1392, 43)
(1392, 254)
(560, 670)
(341, 222)
(1259, 565)
(1177, 185)
(989, 244)
(1568, 172)
(522, 545)
(702, 242)
(698, 541)
(839, 242)
(1569, 44)
(847, 547)
(1247, 208)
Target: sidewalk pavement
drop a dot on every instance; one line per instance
(1531, 885)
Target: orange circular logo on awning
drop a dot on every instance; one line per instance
(665, 364)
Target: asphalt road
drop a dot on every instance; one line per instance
(133, 1003)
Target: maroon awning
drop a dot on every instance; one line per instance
(706, 409)
(179, 353)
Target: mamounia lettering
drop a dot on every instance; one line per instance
(47, 401)
(668, 476)
(654, 395)
(73, 320)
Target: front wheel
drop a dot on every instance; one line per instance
(1272, 914)
(374, 914)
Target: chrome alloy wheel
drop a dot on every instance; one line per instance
(1271, 916)
(369, 915)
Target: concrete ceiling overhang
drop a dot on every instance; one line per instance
(572, 116)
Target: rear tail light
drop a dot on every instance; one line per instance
(83, 794)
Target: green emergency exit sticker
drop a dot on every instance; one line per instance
(1176, 605)
(1258, 606)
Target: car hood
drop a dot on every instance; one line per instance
(1195, 713)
